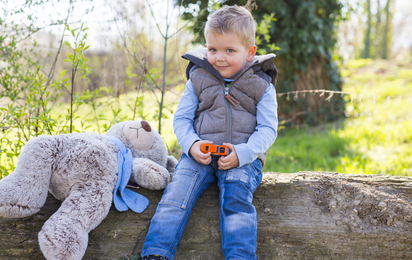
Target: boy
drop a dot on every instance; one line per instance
(229, 99)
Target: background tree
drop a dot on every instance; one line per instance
(386, 32)
(151, 52)
(367, 38)
(377, 30)
(305, 33)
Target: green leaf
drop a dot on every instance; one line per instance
(62, 74)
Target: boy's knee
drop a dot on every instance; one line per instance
(178, 192)
(237, 174)
(250, 175)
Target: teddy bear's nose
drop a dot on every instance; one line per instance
(146, 126)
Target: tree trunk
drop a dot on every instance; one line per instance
(305, 215)
(308, 104)
(386, 32)
(367, 40)
(378, 31)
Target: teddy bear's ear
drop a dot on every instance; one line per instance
(139, 134)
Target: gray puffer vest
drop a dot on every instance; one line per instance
(217, 119)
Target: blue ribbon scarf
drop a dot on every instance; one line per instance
(124, 198)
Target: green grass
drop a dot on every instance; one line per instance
(305, 149)
(376, 136)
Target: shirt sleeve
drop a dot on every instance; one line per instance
(184, 118)
(265, 132)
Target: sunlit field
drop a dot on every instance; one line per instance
(376, 136)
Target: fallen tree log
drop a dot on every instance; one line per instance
(305, 215)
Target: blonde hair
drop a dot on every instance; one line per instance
(234, 19)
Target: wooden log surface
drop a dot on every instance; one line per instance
(305, 215)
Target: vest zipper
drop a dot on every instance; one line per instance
(228, 111)
(228, 117)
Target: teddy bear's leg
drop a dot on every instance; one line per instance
(24, 191)
(65, 233)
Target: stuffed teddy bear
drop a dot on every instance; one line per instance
(87, 171)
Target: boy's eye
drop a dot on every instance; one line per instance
(230, 50)
(212, 50)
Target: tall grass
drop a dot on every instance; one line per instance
(376, 136)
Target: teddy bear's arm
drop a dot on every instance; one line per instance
(149, 174)
(171, 164)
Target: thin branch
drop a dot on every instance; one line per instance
(154, 18)
(322, 93)
(51, 73)
(293, 117)
(313, 91)
(41, 28)
(142, 66)
(177, 31)
(181, 28)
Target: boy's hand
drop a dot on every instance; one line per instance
(229, 161)
(203, 158)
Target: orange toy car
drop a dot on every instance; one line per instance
(220, 150)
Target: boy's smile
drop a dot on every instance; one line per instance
(227, 54)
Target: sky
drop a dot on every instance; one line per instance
(403, 14)
(97, 15)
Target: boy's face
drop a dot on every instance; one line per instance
(227, 54)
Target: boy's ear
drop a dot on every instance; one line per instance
(251, 52)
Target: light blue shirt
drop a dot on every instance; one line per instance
(263, 137)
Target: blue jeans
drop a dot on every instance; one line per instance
(238, 220)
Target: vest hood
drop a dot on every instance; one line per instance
(262, 65)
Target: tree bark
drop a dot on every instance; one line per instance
(386, 32)
(367, 39)
(378, 31)
(305, 215)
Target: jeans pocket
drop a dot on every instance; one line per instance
(177, 193)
